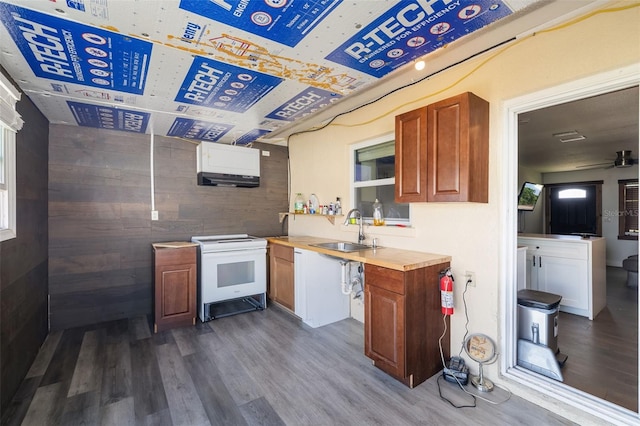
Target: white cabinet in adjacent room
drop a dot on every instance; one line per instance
(521, 261)
(570, 266)
(566, 277)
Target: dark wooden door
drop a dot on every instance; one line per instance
(573, 214)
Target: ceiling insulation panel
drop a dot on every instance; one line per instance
(218, 70)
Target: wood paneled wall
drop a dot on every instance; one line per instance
(100, 226)
(23, 260)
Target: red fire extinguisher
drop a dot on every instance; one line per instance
(446, 292)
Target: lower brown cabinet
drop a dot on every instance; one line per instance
(403, 322)
(175, 278)
(281, 285)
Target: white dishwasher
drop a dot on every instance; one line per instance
(318, 293)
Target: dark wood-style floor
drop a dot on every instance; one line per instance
(258, 368)
(603, 353)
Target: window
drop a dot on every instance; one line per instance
(10, 123)
(572, 193)
(374, 177)
(628, 209)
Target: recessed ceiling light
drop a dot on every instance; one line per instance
(420, 65)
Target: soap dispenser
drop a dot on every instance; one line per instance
(378, 216)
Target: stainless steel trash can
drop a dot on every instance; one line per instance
(538, 317)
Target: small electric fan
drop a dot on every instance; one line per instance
(482, 350)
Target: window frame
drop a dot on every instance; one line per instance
(354, 186)
(623, 210)
(10, 124)
(8, 190)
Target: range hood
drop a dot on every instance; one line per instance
(224, 179)
(228, 165)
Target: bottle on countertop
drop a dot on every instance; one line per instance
(338, 206)
(298, 204)
(378, 216)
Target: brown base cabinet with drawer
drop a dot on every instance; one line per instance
(403, 322)
(281, 275)
(175, 278)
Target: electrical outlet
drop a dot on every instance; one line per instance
(266, 153)
(154, 214)
(470, 277)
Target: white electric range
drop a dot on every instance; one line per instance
(231, 267)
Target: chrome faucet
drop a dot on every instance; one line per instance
(354, 212)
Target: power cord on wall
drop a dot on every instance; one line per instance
(460, 385)
(444, 332)
(473, 404)
(507, 44)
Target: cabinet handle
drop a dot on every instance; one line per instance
(540, 262)
(534, 261)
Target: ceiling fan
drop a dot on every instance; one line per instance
(623, 159)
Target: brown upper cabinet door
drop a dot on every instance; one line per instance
(458, 149)
(411, 156)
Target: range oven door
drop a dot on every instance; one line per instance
(230, 275)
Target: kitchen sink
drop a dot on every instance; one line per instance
(343, 246)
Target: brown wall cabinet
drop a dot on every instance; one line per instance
(281, 278)
(175, 277)
(442, 151)
(411, 156)
(403, 322)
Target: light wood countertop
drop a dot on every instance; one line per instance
(174, 244)
(386, 257)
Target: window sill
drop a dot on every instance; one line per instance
(7, 234)
(391, 230)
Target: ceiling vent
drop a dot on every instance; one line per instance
(571, 136)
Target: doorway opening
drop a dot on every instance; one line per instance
(589, 87)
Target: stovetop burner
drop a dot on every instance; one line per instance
(209, 243)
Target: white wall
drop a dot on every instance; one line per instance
(471, 233)
(617, 250)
